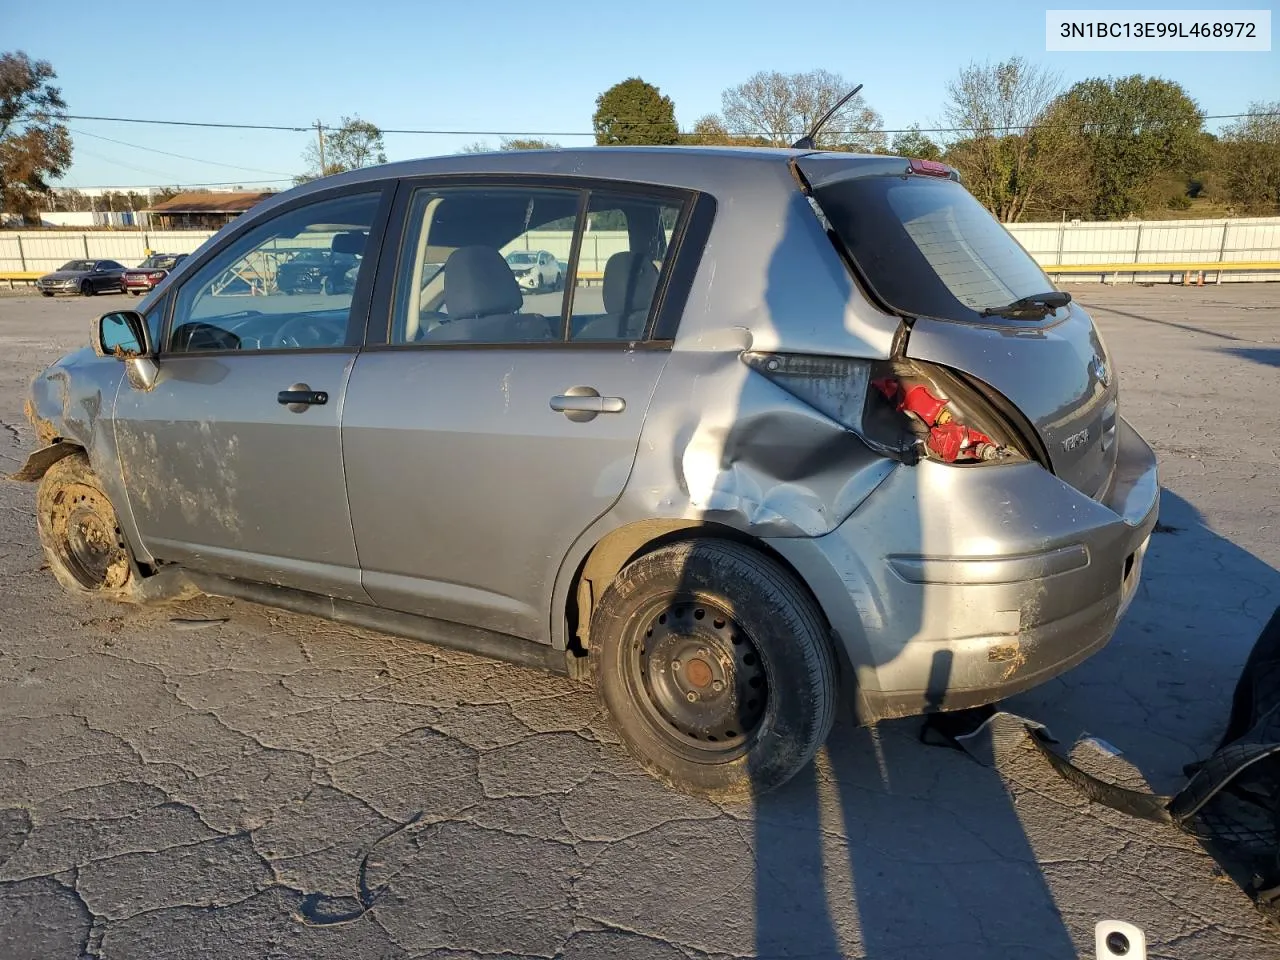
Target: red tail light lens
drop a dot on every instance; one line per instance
(902, 409)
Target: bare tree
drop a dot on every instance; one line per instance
(782, 107)
(1013, 143)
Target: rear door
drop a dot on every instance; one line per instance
(928, 250)
(233, 460)
(480, 437)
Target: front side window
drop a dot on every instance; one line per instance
(287, 284)
(469, 269)
(623, 253)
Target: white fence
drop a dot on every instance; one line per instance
(1155, 241)
(1135, 241)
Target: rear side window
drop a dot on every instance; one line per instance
(927, 247)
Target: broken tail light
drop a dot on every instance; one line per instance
(903, 409)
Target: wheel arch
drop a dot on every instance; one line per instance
(619, 547)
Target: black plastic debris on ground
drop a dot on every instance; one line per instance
(1231, 803)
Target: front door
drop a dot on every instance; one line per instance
(233, 460)
(483, 439)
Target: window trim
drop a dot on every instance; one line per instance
(683, 256)
(357, 319)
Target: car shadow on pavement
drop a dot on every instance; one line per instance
(1267, 356)
(882, 848)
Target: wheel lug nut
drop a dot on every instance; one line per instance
(717, 686)
(691, 696)
(675, 664)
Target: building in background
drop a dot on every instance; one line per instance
(201, 210)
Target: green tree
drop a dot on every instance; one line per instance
(354, 144)
(913, 143)
(1134, 128)
(782, 107)
(711, 131)
(634, 112)
(527, 143)
(1249, 158)
(510, 143)
(35, 147)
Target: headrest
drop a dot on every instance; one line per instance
(478, 283)
(626, 269)
(350, 242)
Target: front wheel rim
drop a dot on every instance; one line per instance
(86, 538)
(698, 677)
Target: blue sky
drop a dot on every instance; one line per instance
(523, 67)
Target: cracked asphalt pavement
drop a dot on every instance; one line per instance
(279, 786)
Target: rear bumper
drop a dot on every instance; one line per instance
(954, 587)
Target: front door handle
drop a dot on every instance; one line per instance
(581, 404)
(300, 396)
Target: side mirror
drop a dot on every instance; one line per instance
(122, 335)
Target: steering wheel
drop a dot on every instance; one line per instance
(308, 331)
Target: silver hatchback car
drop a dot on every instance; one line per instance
(798, 427)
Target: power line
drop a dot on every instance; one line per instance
(569, 133)
(180, 156)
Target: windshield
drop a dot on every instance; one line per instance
(522, 257)
(79, 265)
(159, 263)
(928, 248)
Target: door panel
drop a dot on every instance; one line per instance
(467, 489)
(223, 477)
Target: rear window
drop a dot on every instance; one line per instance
(927, 247)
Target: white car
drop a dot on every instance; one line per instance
(536, 269)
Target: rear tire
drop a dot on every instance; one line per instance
(716, 666)
(80, 533)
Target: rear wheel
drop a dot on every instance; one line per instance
(716, 667)
(80, 533)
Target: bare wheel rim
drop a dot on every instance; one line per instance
(697, 676)
(86, 538)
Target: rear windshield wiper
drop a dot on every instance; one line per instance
(1041, 303)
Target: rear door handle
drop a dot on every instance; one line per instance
(300, 396)
(584, 403)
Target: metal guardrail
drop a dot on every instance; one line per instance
(1198, 268)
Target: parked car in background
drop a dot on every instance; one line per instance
(85, 277)
(317, 271)
(836, 434)
(147, 275)
(535, 269)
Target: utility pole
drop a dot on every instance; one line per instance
(320, 141)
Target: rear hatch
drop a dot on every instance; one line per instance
(927, 250)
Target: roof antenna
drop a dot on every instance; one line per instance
(806, 142)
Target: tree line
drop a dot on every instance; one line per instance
(1025, 144)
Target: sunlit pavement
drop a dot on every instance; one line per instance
(282, 786)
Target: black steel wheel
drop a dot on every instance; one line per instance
(698, 676)
(716, 667)
(80, 532)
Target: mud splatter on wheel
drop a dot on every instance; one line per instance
(80, 532)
